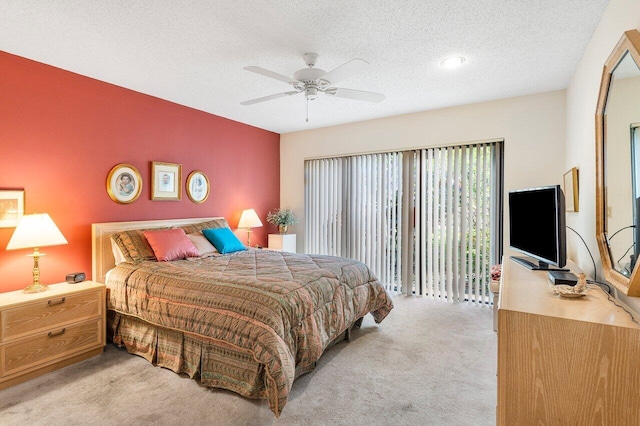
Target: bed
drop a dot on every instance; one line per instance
(250, 321)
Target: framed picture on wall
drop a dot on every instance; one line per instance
(11, 207)
(570, 189)
(124, 183)
(166, 181)
(197, 186)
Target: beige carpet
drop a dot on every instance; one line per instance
(428, 363)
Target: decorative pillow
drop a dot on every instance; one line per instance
(205, 248)
(171, 244)
(197, 227)
(224, 240)
(134, 245)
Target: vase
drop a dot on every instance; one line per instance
(283, 229)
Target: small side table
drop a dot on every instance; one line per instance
(282, 242)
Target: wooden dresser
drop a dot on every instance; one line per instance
(564, 361)
(45, 331)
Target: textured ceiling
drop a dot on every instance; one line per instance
(192, 52)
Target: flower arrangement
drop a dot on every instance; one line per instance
(496, 272)
(281, 218)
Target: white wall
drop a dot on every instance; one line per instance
(533, 128)
(582, 96)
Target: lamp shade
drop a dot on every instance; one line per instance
(35, 230)
(249, 219)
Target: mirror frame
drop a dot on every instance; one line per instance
(630, 286)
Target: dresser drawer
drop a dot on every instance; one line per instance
(49, 313)
(50, 346)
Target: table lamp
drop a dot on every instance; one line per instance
(249, 219)
(35, 231)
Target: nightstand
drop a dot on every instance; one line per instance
(45, 331)
(282, 242)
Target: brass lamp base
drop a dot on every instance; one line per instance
(35, 288)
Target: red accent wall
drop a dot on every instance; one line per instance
(61, 133)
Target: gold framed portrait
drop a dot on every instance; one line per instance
(197, 186)
(124, 183)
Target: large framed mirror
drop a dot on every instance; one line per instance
(618, 166)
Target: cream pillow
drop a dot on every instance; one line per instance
(117, 253)
(205, 248)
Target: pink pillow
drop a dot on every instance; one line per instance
(171, 244)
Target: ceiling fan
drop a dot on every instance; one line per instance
(313, 81)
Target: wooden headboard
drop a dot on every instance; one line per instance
(101, 255)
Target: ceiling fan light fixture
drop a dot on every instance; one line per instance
(311, 93)
(452, 62)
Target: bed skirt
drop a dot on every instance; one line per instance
(216, 364)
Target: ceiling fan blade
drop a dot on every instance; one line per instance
(359, 95)
(344, 71)
(268, 98)
(271, 74)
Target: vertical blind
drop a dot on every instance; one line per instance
(455, 198)
(352, 209)
(426, 221)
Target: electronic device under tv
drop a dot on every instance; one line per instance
(537, 227)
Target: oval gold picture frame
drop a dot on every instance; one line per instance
(198, 186)
(124, 183)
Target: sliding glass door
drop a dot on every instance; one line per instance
(427, 221)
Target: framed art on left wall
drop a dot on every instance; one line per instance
(197, 186)
(166, 181)
(124, 183)
(11, 207)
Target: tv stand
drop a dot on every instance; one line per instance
(540, 266)
(564, 361)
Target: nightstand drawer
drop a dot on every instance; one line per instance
(49, 313)
(48, 347)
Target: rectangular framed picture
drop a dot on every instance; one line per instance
(11, 207)
(571, 190)
(166, 181)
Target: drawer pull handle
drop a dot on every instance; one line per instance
(59, 333)
(60, 302)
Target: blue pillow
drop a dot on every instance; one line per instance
(224, 240)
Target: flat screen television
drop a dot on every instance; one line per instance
(537, 227)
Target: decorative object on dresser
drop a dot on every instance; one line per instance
(166, 181)
(124, 183)
(282, 218)
(249, 219)
(35, 231)
(11, 207)
(40, 333)
(564, 361)
(197, 187)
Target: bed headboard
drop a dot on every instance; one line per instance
(101, 255)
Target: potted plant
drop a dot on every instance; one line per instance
(282, 218)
